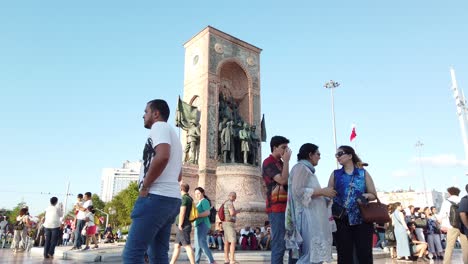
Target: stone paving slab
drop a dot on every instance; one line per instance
(112, 253)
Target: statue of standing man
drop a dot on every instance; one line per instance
(193, 142)
(255, 142)
(244, 136)
(227, 142)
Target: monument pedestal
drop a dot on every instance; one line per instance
(247, 182)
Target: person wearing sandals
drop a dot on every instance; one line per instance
(352, 184)
(90, 228)
(401, 231)
(52, 227)
(308, 228)
(230, 216)
(419, 248)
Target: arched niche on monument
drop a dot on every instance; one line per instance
(234, 88)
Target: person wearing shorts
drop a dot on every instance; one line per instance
(184, 227)
(230, 214)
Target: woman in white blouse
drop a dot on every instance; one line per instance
(308, 224)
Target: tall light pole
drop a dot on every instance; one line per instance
(419, 146)
(332, 85)
(112, 212)
(462, 111)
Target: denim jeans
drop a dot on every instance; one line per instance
(381, 241)
(210, 240)
(79, 240)
(278, 246)
(201, 231)
(152, 217)
(51, 237)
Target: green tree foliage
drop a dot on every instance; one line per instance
(15, 212)
(98, 204)
(123, 203)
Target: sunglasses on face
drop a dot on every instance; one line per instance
(339, 154)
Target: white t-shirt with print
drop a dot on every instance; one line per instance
(167, 183)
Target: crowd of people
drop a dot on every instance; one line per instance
(55, 228)
(424, 233)
(305, 218)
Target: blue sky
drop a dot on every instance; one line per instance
(75, 77)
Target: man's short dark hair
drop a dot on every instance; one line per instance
(185, 187)
(80, 195)
(53, 200)
(278, 140)
(161, 106)
(453, 190)
(88, 194)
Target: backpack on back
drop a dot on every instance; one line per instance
(454, 216)
(193, 212)
(221, 215)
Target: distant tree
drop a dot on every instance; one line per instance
(98, 204)
(123, 203)
(15, 212)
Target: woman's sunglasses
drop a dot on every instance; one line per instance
(340, 153)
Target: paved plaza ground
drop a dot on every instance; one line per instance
(110, 253)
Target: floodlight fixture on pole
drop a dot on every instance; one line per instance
(332, 85)
(419, 146)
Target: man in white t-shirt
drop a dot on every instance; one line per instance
(81, 216)
(453, 233)
(159, 200)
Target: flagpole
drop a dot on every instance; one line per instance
(331, 85)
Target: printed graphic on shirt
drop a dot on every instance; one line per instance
(148, 154)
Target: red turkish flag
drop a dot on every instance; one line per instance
(353, 134)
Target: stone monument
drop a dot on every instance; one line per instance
(222, 82)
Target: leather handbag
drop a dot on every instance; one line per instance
(374, 212)
(390, 234)
(338, 211)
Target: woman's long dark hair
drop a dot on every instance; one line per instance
(305, 150)
(349, 150)
(200, 189)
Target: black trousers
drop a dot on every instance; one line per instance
(354, 239)
(51, 235)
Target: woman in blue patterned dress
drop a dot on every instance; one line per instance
(353, 184)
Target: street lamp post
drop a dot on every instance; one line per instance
(331, 85)
(112, 212)
(419, 146)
